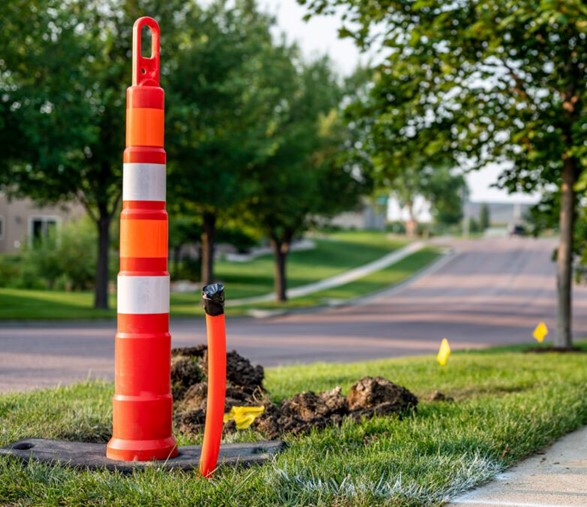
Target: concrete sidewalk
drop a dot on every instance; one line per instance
(556, 477)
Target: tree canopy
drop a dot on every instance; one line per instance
(307, 175)
(245, 124)
(482, 81)
(224, 95)
(64, 69)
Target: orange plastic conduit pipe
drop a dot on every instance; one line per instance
(213, 302)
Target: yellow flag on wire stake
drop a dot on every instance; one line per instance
(243, 416)
(540, 332)
(443, 353)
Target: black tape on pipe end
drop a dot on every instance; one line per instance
(213, 299)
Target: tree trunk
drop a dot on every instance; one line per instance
(101, 288)
(280, 251)
(411, 222)
(564, 275)
(208, 245)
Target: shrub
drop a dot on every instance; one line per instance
(62, 260)
(10, 270)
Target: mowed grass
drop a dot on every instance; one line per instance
(367, 285)
(333, 255)
(21, 304)
(507, 406)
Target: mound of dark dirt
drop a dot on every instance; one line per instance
(303, 412)
(369, 397)
(185, 372)
(189, 373)
(189, 366)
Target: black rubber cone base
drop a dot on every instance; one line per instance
(93, 456)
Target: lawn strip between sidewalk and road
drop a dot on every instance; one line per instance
(507, 405)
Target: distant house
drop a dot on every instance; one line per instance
(22, 220)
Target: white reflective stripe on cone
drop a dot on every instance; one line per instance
(143, 294)
(143, 182)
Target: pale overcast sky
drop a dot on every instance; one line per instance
(319, 36)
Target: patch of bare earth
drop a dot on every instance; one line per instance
(368, 397)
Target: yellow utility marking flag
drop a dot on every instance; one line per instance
(540, 332)
(243, 416)
(443, 352)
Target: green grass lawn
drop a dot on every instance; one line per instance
(375, 282)
(17, 304)
(507, 405)
(333, 255)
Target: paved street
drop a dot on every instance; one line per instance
(490, 291)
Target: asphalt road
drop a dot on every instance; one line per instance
(490, 291)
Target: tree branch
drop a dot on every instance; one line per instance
(520, 87)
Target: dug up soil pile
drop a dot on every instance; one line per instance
(368, 397)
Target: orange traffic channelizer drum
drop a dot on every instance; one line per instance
(142, 404)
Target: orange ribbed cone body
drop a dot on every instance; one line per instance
(142, 404)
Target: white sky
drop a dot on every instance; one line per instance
(317, 36)
(320, 35)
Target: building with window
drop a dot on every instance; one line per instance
(22, 220)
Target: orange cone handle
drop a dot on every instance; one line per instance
(213, 296)
(142, 404)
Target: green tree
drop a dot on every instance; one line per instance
(484, 81)
(222, 94)
(446, 192)
(438, 186)
(473, 226)
(64, 69)
(484, 217)
(306, 176)
(414, 178)
(181, 234)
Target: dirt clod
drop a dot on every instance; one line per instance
(438, 396)
(185, 372)
(241, 372)
(379, 396)
(303, 412)
(189, 366)
(306, 406)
